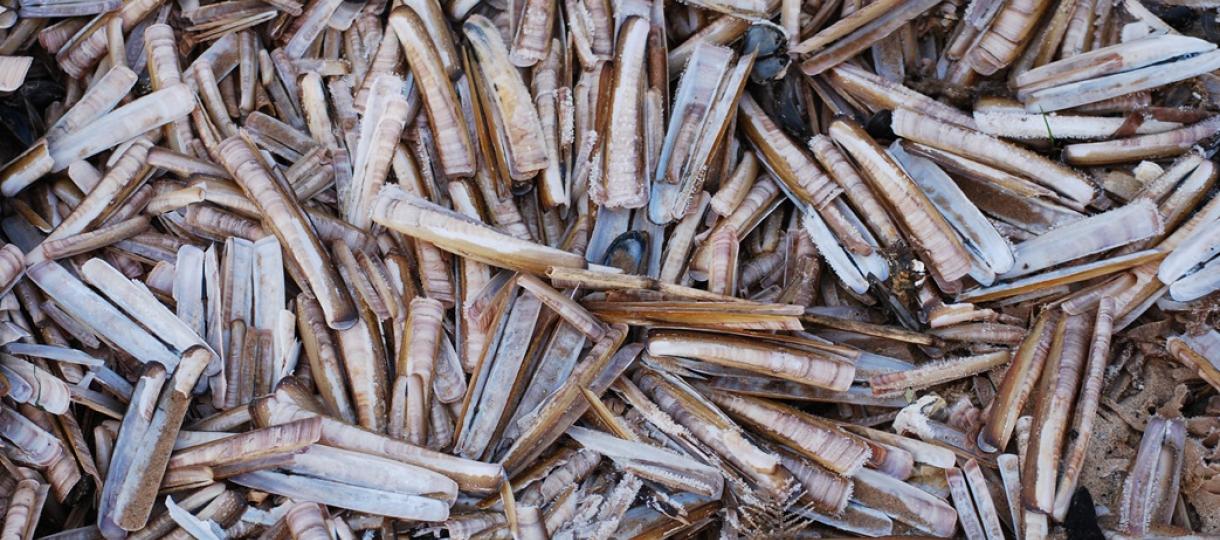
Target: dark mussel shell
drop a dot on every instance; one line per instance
(769, 41)
(627, 252)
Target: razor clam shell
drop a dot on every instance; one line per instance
(285, 217)
(857, 519)
(681, 472)
(1139, 505)
(1026, 216)
(135, 493)
(623, 172)
(1197, 285)
(927, 229)
(1116, 58)
(697, 88)
(361, 349)
(1000, 44)
(874, 262)
(361, 499)
(904, 502)
(1060, 377)
(771, 359)
(603, 363)
(512, 109)
(778, 389)
(450, 231)
(135, 299)
(1131, 223)
(826, 491)
(471, 476)
(194, 526)
(500, 369)
(1022, 125)
(722, 30)
(307, 520)
(882, 20)
(101, 98)
(555, 366)
(810, 436)
(12, 267)
(118, 126)
(1062, 276)
(669, 203)
(967, 515)
(99, 315)
(714, 429)
(26, 168)
(856, 191)
(33, 444)
(1105, 87)
(1190, 254)
(1086, 408)
(750, 9)
(52, 352)
(968, 170)
(1200, 352)
(981, 493)
(15, 69)
(975, 229)
(90, 44)
(933, 373)
(531, 42)
(380, 131)
(1155, 145)
(932, 132)
(880, 93)
(455, 149)
(922, 452)
(431, 14)
(372, 472)
(838, 258)
(47, 391)
(845, 26)
(787, 163)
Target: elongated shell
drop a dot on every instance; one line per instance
(450, 231)
(284, 215)
(455, 149)
(1130, 223)
(926, 227)
(932, 132)
(512, 109)
(623, 176)
(773, 359)
(795, 170)
(813, 438)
